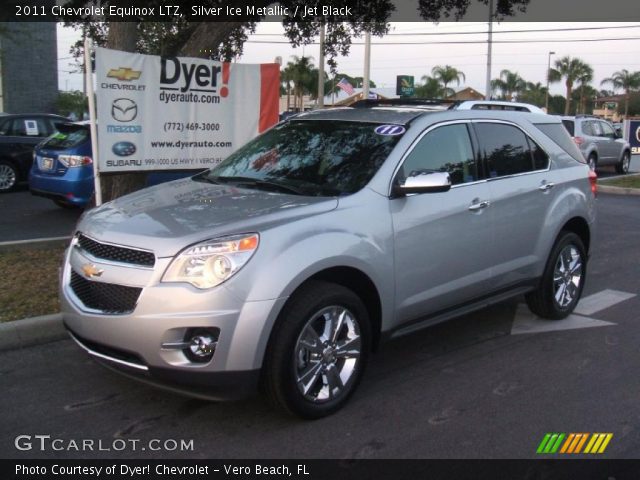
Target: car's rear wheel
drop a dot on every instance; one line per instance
(592, 161)
(563, 279)
(318, 350)
(8, 176)
(625, 162)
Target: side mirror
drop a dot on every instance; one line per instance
(431, 182)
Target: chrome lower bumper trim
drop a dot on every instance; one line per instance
(105, 357)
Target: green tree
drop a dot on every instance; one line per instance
(72, 104)
(569, 69)
(509, 84)
(625, 80)
(534, 93)
(585, 77)
(445, 75)
(429, 88)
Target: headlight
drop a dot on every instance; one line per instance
(210, 263)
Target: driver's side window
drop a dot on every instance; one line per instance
(444, 149)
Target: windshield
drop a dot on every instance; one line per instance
(66, 138)
(319, 158)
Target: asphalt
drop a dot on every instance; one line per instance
(463, 389)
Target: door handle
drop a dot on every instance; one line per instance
(477, 205)
(546, 186)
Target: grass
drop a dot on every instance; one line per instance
(630, 181)
(29, 282)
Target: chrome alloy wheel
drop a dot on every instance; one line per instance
(626, 162)
(567, 276)
(7, 177)
(327, 354)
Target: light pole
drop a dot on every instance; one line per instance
(546, 97)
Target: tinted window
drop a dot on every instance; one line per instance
(504, 148)
(561, 137)
(67, 138)
(540, 157)
(568, 124)
(312, 157)
(607, 130)
(445, 149)
(26, 127)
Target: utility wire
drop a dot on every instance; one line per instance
(455, 42)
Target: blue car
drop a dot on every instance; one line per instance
(63, 168)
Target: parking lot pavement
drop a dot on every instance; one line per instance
(27, 217)
(474, 387)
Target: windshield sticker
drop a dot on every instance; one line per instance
(390, 130)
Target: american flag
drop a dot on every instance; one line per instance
(345, 86)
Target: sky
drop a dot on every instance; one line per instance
(388, 58)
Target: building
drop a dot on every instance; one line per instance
(466, 94)
(28, 67)
(607, 107)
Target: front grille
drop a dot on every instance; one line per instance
(116, 254)
(106, 297)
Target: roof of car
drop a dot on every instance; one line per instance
(392, 115)
(47, 115)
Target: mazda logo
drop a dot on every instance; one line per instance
(124, 110)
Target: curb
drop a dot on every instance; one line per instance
(618, 190)
(31, 331)
(34, 243)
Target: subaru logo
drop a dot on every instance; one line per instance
(124, 110)
(123, 149)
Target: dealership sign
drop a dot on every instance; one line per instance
(159, 113)
(634, 136)
(404, 85)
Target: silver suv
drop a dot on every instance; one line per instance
(288, 263)
(600, 143)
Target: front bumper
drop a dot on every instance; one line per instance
(132, 343)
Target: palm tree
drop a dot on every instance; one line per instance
(570, 69)
(625, 80)
(509, 83)
(301, 75)
(584, 77)
(430, 88)
(446, 75)
(534, 93)
(286, 77)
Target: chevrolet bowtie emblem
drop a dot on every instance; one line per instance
(91, 270)
(122, 73)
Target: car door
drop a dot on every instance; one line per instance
(441, 240)
(612, 148)
(521, 192)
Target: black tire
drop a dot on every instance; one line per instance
(592, 161)
(8, 176)
(542, 301)
(623, 166)
(284, 357)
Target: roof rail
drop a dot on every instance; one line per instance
(403, 102)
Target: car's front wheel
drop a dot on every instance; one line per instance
(563, 279)
(318, 350)
(625, 162)
(8, 176)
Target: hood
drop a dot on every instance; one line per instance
(169, 217)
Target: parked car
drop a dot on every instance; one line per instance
(19, 134)
(63, 167)
(288, 263)
(599, 142)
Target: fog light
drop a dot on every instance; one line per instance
(202, 345)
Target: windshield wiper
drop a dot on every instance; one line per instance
(256, 182)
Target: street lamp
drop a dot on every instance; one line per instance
(546, 98)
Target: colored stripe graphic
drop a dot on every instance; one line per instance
(573, 443)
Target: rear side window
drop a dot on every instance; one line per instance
(569, 125)
(561, 137)
(505, 149)
(66, 139)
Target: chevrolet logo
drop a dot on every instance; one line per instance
(122, 73)
(91, 270)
